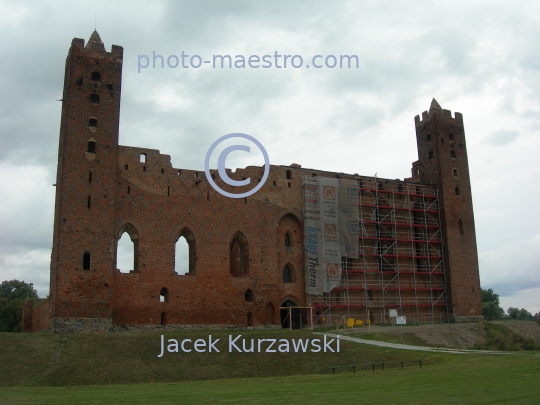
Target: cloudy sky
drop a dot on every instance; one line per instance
(478, 58)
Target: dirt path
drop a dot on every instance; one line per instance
(409, 347)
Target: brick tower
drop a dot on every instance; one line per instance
(442, 161)
(82, 260)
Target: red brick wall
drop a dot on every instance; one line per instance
(79, 228)
(156, 204)
(41, 316)
(434, 133)
(35, 317)
(161, 203)
(27, 316)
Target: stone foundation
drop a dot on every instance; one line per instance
(140, 328)
(81, 325)
(105, 325)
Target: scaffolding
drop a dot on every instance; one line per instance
(400, 263)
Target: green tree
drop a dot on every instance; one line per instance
(519, 314)
(491, 309)
(12, 296)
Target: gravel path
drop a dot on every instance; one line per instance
(408, 347)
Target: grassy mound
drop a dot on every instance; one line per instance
(44, 359)
(500, 337)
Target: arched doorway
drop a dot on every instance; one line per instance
(295, 315)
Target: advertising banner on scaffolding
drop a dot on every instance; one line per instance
(330, 229)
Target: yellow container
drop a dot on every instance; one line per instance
(323, 318)
(359, 323)
(350, 322)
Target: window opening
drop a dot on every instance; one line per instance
(86, 261)
(90, 177)
(142, 158)
(96, 76)
(91, 147)
(369, 295)
(92, 123)
(125, 253)
(430, 155)
(460, 226)
(185, 253)
(288, 242)
(181, 256)
(239, 255)
(164, 295)
(428, 137)
(457, 191)
(451, 137)
(453, 154)
(287, 274)
(94, 98)
(288, 174)
(248, 296)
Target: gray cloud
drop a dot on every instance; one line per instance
(501, 138)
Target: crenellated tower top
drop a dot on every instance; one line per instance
(95, 46)
(436, 109)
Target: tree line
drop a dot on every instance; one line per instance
(492, 310)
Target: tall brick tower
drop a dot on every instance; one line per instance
(82, 262)
(442, 161)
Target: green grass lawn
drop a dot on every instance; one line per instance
(464, 379)
(124, 368)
